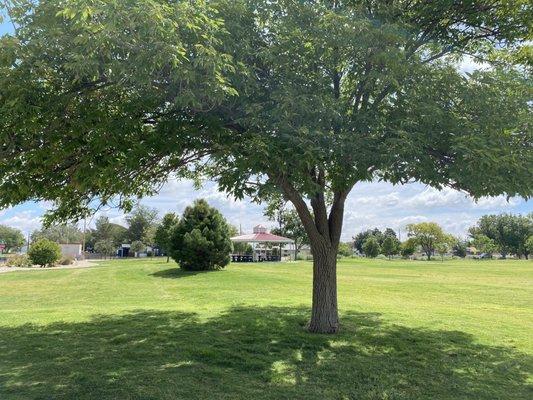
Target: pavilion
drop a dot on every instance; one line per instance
(259, 239)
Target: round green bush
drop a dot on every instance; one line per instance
(201, 240)
(44, 252)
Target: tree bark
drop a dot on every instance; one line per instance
(324, 314)
(324, 232)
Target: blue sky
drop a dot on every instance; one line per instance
(5, 26)
(376, 204)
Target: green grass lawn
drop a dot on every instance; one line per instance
(142, 329)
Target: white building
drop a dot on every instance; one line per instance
(71, 250)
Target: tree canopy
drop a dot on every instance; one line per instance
(408, 248)
(108, 232)
(371, 247)
(163, 233)
(364, 89)
(380, 236)
(484, 244)
(508, 232)
(103, 101)
(106, 247)
(11, 238)
(289, 223)
(390, 246)
(429, 236)
(141, 224)
(61, 233)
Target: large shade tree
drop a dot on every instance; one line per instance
(60, 233)
(102, 101)
(141, 224)
(429, 236)
(509, 232)
(10, 238)
(108, 232)
(289, 223)
(163, 232)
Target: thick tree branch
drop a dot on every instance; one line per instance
(301, 208)
(336, 216)
(318, 203)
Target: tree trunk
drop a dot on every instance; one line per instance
(324, 313)
(324, 232)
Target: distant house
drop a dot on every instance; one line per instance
(471, 251)
(124, 250)
(71, 250)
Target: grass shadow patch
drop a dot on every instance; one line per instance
(176, 273)
(248, 352)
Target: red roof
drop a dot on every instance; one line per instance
(261, 237)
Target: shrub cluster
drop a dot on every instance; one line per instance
(19, 261)
(67, 260)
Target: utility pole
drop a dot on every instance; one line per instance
(83, 240)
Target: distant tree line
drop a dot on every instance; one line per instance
(506, 234)
(107, 236)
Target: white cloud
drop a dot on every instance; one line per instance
(388, 200)
(120, 220)
(447, 197)
(370, 205)
(469, 65)
(458, 224)
(430, 198)
(383, 205)
(496, 202)
(410, 219)
(26, 221)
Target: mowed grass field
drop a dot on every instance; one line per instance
(142, 329)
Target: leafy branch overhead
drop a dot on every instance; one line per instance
(106, 99)
(103, 101)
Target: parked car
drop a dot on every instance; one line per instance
(483, 256)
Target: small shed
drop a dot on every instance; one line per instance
(73, 250)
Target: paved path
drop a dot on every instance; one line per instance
(78, 264)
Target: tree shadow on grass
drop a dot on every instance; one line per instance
(175, 273)
(251, 352)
